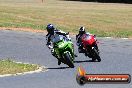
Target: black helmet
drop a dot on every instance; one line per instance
(50, 28)
(82, 30)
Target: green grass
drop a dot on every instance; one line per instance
(102, 19)
(10, 67)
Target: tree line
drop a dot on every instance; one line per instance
(106, 1)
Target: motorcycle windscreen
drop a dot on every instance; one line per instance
(88, 39)
(57, 38)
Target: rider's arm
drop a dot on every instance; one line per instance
(61, 33)
(78, 39)
(48, 39)
(77, 36)
(47, 36)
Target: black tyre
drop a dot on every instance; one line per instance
(96, 55)
(68, 60)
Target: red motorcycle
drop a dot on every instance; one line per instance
(90, 47)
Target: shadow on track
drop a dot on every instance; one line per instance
(84, 61)
(59, 68)
(69, 67)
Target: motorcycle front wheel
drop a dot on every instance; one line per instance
(68, 60)
(96, 55)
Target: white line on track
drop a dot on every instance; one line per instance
(115, 38)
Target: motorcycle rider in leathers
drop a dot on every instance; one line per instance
(79, 42)
(51, 32)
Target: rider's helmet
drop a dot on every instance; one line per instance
(82, 30)
(50, 28)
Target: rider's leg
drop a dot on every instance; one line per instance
(80, 49)
(54, 54)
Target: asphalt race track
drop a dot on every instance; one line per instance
(29, 47)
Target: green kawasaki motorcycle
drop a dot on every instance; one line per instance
(63, 49)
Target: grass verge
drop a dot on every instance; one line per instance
(102, 19)
(11, 67)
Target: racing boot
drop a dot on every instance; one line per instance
(87, 54)
(75, 55)
(53, 53)
(59, 62)
(80, 50)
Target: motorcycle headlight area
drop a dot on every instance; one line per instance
(61, 45)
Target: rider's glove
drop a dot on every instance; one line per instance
(46, 37)
(49, 45)
(67, 33)
(69, 39)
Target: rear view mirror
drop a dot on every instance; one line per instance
(94, 35)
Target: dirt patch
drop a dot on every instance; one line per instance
(28, 30)
(36, 30)
(23, 29)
